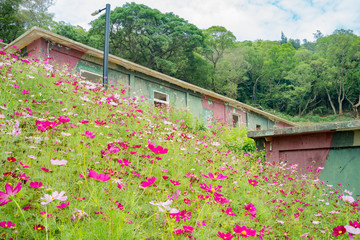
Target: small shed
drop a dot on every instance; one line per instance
(332, 146)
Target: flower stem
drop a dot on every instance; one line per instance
(32, 232)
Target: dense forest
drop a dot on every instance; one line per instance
(291, 76)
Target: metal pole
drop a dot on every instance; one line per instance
(106, 47)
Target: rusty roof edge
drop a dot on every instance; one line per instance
(38, 32)
(327, 127)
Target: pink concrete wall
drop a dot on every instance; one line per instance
(304, 150)
(34, 49)
(61, 55)
(221, 112)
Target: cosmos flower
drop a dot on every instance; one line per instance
(63, 205)
(54, 196)
(226, 236)
(158, 149)
(7, 224)
(89, 134)
(99, 176)
(9, 191)
(36, 184)
(58, 162)
(149, 182)
(244, 231)
(215, 176)
(339, 230)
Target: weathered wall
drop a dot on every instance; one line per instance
(337, 152)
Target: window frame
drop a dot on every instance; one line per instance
(95, 74)
(159, 101)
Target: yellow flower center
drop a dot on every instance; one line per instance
(243, 233)
(5, 225)
(213, 189)
(53, 198)
(39, 228)
(340, 232)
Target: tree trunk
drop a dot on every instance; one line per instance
(331, 103)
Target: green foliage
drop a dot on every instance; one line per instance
(161, 41)
(10, 23)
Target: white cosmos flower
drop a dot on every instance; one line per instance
(58, 162)
(54, 196)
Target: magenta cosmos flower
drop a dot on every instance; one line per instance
(63, 205)
(244, 231)
(211, 189)
(230, 212)
(149, 182)
(158, 149)
(4, 196)
(99, 176)
(64, 119)
(339, 230)
(36, 184)
(226, 236)
(214, 176)
(89, 134)
(8, 224)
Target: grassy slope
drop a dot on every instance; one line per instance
(126, 213)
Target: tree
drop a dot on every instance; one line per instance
(35, 13)
(163, 42)
(342, 59)
(10, 25)
(218, 39)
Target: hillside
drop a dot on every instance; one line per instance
(81, 163)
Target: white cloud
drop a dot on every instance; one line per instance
(247, 19)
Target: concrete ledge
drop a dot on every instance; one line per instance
(328, 127)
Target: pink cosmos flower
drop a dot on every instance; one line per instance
(9, 191)
(15, 86)
(158, 149)
(63, 119)
(63, 205)
(89, 134)
(2, 52)
(354, 224)
(8, 224)
(23, 165)
(100, 122)
(44, 126)
(149, 182)
(251, 210)
(230, 212)
(339, 230)
(84, 121)
(211, 189)
(244, 231)
(36, 184)
(11, 159)
(214, 176)
(124, 162)
(226, 236)
(45, 169)
(25, 92)
(253, 182)
(100, 177)
(24, 177)
(183, 215)
(188, 229)
(58, 162)
(178, 231)
(175, 182)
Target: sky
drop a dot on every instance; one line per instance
(246, 19)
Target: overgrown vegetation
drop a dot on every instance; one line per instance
(297, 78)
(78, 162)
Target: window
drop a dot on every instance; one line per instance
(258, 127)
(91, 77)
(236, 121)
(161, 99)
